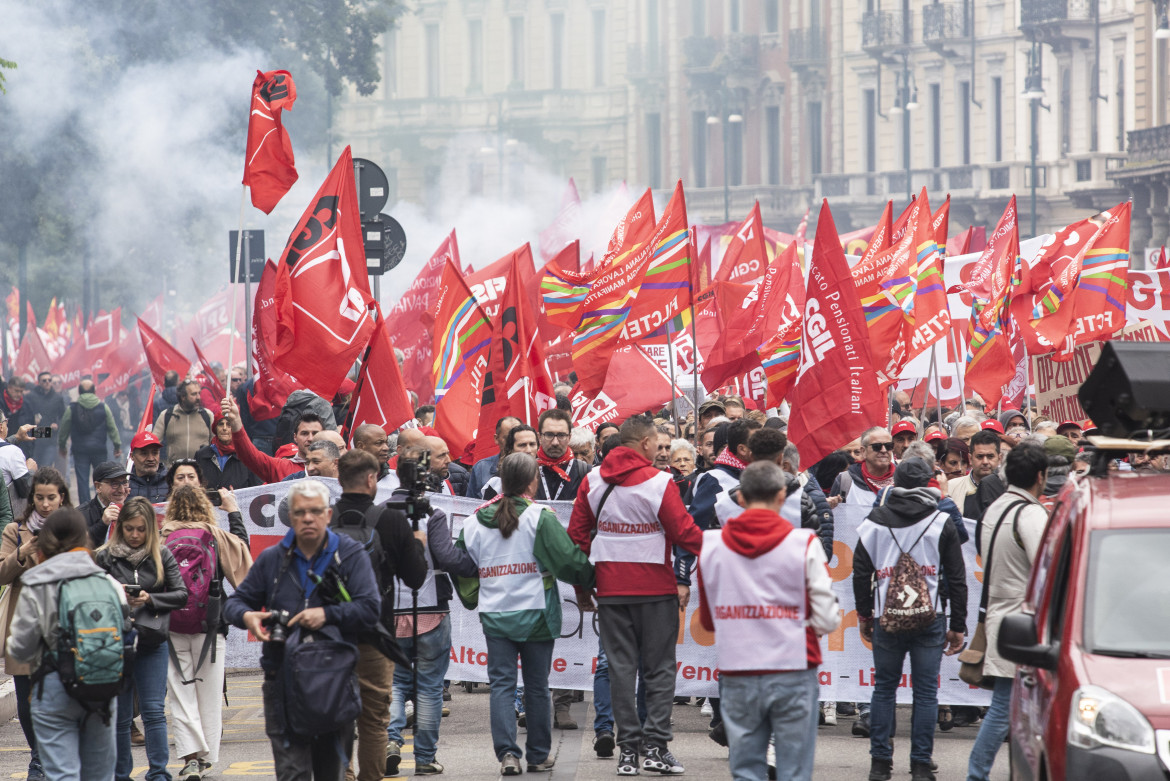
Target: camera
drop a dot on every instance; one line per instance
(414, 474)
(214, 496)
(277, 623)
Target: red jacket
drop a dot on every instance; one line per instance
(626, 467)
(264, 466)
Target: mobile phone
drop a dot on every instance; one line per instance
(41, 432)
(214, 497)
(132, 590)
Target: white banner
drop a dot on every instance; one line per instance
(845, 675)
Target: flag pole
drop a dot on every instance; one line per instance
(959, 373)
(235, 289)
(931, 373)
(938, 396)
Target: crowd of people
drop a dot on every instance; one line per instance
(717, 501)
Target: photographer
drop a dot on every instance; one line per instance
(320, 580)
(393, 551)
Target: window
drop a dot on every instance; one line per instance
(598, 47)
(870, 130)
(772, 121)
(965, 122)
(735, 153)
(475, 55)
(734, 16)
(771, 16)
(432, 54)
(1120, 103)
(600, 177)
(936, 125)
(1065, 112)
(815, 143)
(997, 118)
(557, 48)
(475, 179)
(698, 18)
(814, 14)
(699, 148)
(652, 23)
(654, 150)
(517, 28)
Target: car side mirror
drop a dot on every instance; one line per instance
(1017, 643)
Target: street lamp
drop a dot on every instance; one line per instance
(1034, 94)
(1163, 31)
(905, 101)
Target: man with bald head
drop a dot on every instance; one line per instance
(485, 468)
(445, 477)
(372, 438)
(408, 437)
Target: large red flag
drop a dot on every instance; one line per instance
(902, 222)
(638, 382)
(122, 364)
(33, 358)
(881, 240)
(746, 256)
(410, 322)
(984, 273)
(270, 387)
(161, 355)
(836, 395)
(380, 396)
(488, 284)
(991, 364)
(941, 222)
(322, 289)
(1036, 279)
(517, 382)
(557, 289)
(635, 228)
(462, 335)
(87, 351)
(565, 227)
(209, 380)
(269, 168)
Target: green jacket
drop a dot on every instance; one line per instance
(89, 401)
(559, 559)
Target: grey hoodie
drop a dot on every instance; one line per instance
(34, 625)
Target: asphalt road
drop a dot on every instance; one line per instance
(465, 745)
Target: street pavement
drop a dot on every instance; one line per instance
(465, 746)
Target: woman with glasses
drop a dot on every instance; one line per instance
(148, 572)
(197, 635)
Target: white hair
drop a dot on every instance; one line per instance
(580, 437)
(920, 449)
(869, 432)
(682, 444)
(309, 489)
(964, 420)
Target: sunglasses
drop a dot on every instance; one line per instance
(877, 447)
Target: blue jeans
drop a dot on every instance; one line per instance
(73, 744)
(759, 707)
(83, 463)
(434, 656)
(535, 660)
(150, 681)
(889, 654)
(992, 732)
(602, 708)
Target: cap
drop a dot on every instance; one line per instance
(1067, 426)
(1060, 446)
(347, 386)
(904, 427)
(934, 436)
(144, 439)
(991, 424)
(712, 404)
(109, 470)
(912, 473)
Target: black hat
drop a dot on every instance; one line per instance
(109, 470)
(912, 473)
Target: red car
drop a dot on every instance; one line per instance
(1091, 698)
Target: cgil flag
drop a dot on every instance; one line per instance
(746, 255)
(380, 396)
(269, 167)
(161, 355)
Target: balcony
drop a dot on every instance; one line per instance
(883, 30)
(944, 25)
(807, 49)
(967, 182)
(1151, 145)
(1057, 22)
(782, 203)
(732, 59)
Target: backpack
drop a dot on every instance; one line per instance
(319, 682)
(90, 645)
(197, 555)
(299, 402)
(208, 420)
(908, 607)
(86, 420)
(362, 528)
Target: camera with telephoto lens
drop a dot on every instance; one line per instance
(277, 623)
(414, 474)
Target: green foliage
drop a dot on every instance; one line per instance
(10, 65)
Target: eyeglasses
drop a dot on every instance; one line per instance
(878, 447)
(554, 435)
(118, 483)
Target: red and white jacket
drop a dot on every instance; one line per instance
(641, 519)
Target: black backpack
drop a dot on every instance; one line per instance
(320, 683)
(362, 527)
(85, 420)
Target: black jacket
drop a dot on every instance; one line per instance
(166, 595)
(903, 508)
(153, 488)
(92, 510)
(812, 490)
(233, 475)
(562, 491)
(402, 555)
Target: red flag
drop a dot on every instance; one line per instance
(270, 387)
(713, 307)
(637, 382)
(989, 262)
(565, 227)
(380, 396)
(961, 244)
(1163, 261)
(322, 289)
(410, 322)
(556, 290)
(462, 335)
(33, 358)
(122, 364)
(941, 222)
(634, 229)
(147, 421)
(161, 355)
(90, 347)
(881, 240)
(746, 256)
(836, 396)
(269, 168)
(210, 381)
(488, 283)
(1036, 280)
(517, 382)
(990, 361)
(801, 232)
(900, 224)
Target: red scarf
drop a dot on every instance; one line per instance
(544, 460)
(877, 483)
(225, 450)
(13, 406)
(727, 458)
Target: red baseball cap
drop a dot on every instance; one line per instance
(904, 427)
(991, 424)
(934, 436)
(144, 439)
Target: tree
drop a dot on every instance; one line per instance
(10, 65)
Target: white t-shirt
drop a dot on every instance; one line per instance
(12, 465)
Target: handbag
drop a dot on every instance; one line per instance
(153, 628)
(972, 658)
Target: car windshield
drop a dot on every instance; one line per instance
(1127, 604)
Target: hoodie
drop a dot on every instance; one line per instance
(627, 469)
(34, 624)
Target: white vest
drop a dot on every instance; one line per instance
(884, 553)
(628, 529)
(790, 510)
(510, 577)
(759, 606)
(428, 597)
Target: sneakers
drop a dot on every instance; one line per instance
(542, 767)
(846, 709)
(409, 709)
(880, 769)
(446, 711)
(946, 720)
(393, 758)
(510, 765)
(136, 736)
(707, 710)
(921, 771)
(35, 771)
(659, 760)
(431, 768)
(190, 772)
(627, 763)
(603, 744)
(770, 758)
(861, 726)
(562, 720)
(829, 714)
